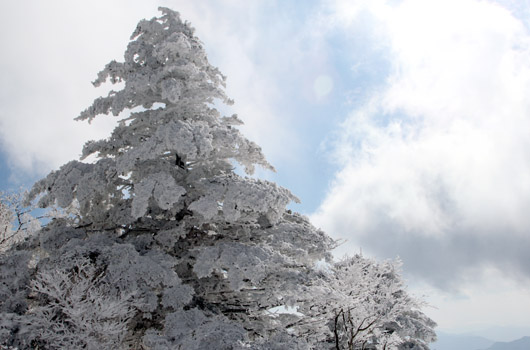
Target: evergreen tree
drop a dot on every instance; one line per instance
(166, 247)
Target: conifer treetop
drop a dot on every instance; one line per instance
(173, 147)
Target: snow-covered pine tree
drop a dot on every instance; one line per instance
(166, 247)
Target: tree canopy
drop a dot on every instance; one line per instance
(165, 246)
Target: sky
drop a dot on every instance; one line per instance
(403, 126)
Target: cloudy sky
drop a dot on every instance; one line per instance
(403, 126)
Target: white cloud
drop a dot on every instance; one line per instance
(52, 51)
(435, 167)
(471, 310)
(322, 86)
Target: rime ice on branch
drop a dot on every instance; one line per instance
(167, 247)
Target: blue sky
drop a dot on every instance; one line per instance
(403, 126)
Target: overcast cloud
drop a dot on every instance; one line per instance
(436, 164)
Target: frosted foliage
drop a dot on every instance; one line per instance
(14, 277)
(299, 238)
(83, 189)
(175, 137)
(63, 183)
(180, 323)
(82, 311)
(6, 218)
(282, 341)
(16, 221)
(130, 272)
(161, 245)
(161, 187)
(241, 199)
(163, 56)
(248, 196)
(168, 238)
(240, 262)
(176, 296)
(172, 89)
(368, 306)
(166, 64)
(195, 330)
(206, 206)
